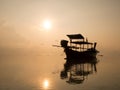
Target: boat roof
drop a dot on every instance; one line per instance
(75, 36)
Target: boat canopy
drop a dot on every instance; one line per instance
(78, 39)
(75, 36)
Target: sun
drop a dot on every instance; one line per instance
(47, 24)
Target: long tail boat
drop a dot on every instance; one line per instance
(79, 47)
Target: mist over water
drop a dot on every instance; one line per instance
(29, 62)
(35, 69)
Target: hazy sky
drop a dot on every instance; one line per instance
(21, 20)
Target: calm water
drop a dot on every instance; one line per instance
(43, 72)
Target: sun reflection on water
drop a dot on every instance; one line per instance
(46, 84)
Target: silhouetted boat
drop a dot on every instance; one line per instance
(79, 47)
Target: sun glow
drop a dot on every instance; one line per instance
(46, 84)
(47, 24)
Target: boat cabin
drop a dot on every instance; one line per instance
(78, 42)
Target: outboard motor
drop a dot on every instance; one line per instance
(64, 43)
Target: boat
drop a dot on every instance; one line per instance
(79, 47)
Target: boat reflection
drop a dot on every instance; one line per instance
(76, 71)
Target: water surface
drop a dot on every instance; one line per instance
(43, 72)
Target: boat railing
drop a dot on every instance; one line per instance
(82, 45)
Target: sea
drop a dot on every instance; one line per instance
(22, 69)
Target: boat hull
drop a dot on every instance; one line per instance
(72, 54)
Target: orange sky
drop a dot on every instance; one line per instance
(21, 20)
